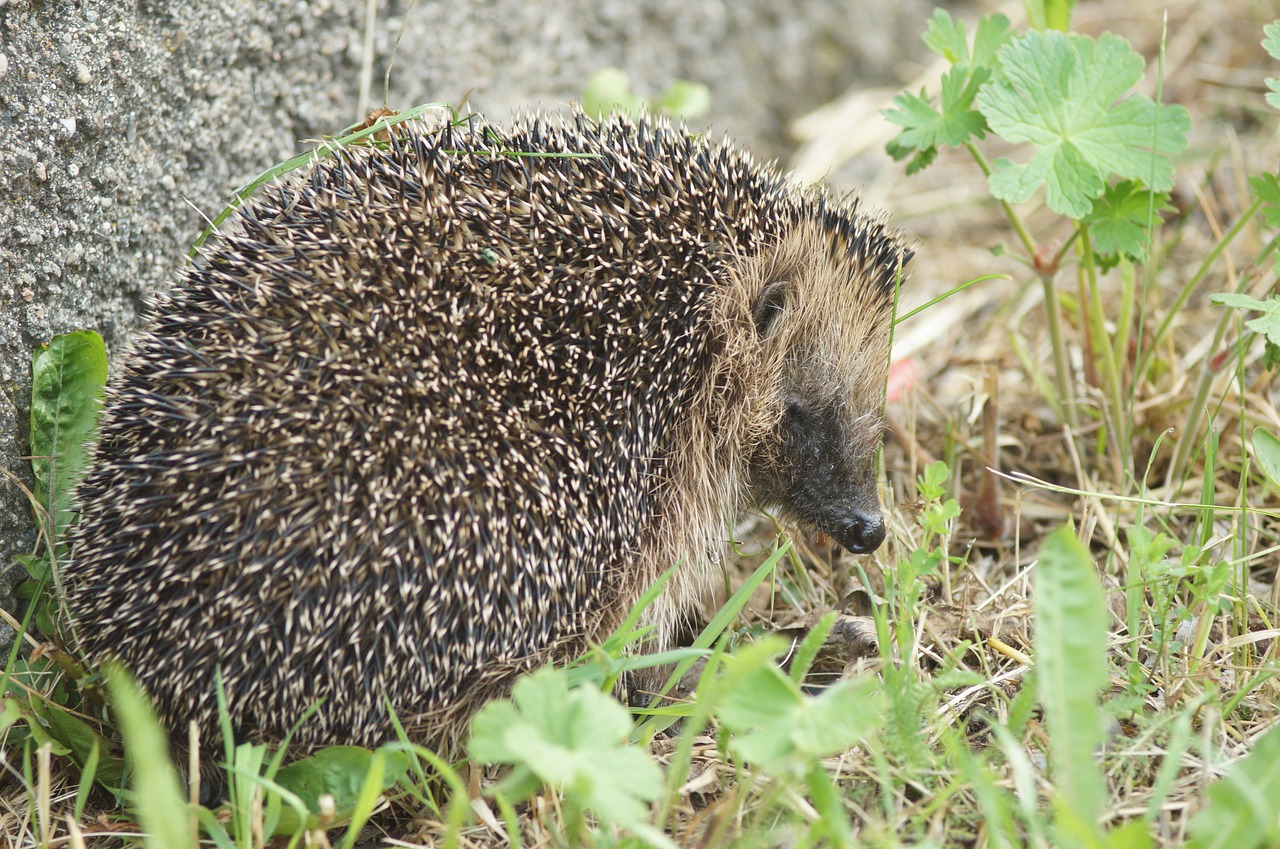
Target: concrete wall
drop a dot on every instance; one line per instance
(123, 123)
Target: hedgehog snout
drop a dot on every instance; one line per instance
(861, 532)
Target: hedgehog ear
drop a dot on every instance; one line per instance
(772, 300)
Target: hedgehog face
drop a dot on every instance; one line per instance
(823, 323)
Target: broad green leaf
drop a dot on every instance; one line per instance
(1070, 96)
(81, 740)
(1122, 217)
(161, 807)
(1070, 650)
(339, 771)
(1242, 811)
(1272, 45)
(1266, 451)
(67, 379)
(571, 740)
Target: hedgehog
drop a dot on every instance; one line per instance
(435, 412)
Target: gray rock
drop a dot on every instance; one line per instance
(122, 125)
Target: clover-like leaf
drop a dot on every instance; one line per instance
(1071, 97)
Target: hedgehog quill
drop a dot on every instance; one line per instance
(424, 417)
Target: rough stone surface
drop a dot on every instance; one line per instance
(124, 124)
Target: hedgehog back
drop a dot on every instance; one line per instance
(406, 423)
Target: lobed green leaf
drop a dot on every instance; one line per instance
(1122, 217)
(1271, 43)
(1061, 93)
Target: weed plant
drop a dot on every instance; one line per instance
(1103, 679)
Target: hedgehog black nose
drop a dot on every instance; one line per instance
(860, 532)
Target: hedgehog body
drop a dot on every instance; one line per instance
(430, 415)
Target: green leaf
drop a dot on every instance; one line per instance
(571, 740)
(1070, 650)
(1271, 43)
(1050, 14)
(927, 127)
(1070, 97)
(947, 37)
(777, 728)
(67, 379)
(609, 91)
(1267, 324)
(1123, 216)
(1266, 451)
(1241, 812)
(161, 807)
(82, 742)
(954, 121)
(1266, 188)
(685, 100)
(339, 771)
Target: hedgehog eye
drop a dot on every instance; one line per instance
(769, 306)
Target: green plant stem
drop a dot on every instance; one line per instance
(1111, 373)
(1144, 362)
(1053, 316)
(1186, 440)
(1028, 244)
(1184, 446)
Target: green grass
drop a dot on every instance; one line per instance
(1101, 673)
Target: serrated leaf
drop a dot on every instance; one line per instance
(1070, 96)
(947, 37)
(67, 379)
(1267, 324)
(1266, 188)
(1122, 217)
(1271, 41)
(925, 126)
(1266, 451)
(1070, 650)
(1241, 811)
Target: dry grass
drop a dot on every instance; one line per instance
(1192, 683)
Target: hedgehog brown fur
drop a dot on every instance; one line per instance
(430, 415)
